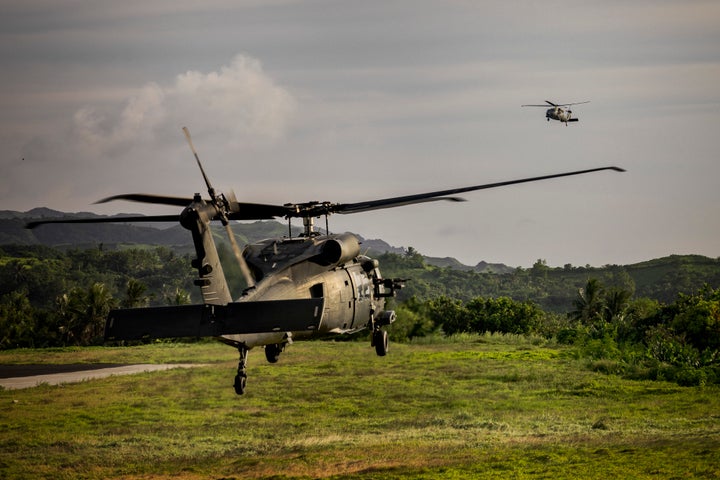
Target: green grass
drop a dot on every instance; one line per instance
(481, 407)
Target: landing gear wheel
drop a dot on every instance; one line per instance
(272, 352)
(240, 382)
(380, 341)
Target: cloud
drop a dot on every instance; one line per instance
(134, 140)
(239, 101)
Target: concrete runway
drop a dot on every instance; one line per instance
(13, 377)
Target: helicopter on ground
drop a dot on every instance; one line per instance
(557, 112)
(302, 287)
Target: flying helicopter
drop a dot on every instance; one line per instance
(557, 112)
(302, 287)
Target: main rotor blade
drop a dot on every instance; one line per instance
(443, 194)
(257, 211)
(128, 219)
(557, 104)
(238, 210)
(148, 198)
(396, 202)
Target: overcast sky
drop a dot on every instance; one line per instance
(344, 101)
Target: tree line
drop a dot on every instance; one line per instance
(50, 297)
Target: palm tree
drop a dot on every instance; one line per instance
(617, 301)
(99, 302)
(177, 297)
(589, 303)
(83, 313)
(135, 294)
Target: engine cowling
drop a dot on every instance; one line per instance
(340, 249)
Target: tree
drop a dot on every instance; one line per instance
(617, 302)
(412, 321)
(502, 315)
(135, 294)
(697, 319)
(450, 314)
(540, 269)
(17, 326)
(83, 313)
(589, 303)
(413, 258)
(178, 296)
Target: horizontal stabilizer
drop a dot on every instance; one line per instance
(215, 320)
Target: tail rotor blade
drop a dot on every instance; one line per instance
(238, 256)
(211, 190)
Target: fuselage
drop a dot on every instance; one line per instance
(328, 267)
(557, 113)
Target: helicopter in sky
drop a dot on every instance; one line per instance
(557, 112)
(302, 287)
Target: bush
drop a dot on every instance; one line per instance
(412, 321)
(481, 315)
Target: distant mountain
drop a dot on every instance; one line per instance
(482, 267)
(13, 231)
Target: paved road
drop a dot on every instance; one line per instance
(14, 377)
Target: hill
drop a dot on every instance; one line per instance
(13, 231)
(553, 289)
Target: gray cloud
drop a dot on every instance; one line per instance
(238, 102)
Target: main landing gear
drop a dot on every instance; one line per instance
(272, 353)
(241, 377)
(380, 336)
(380, 342)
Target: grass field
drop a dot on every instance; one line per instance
(481, 407)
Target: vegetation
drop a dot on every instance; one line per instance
(471, 406)
(50, 297)
(639, 339)
(616, 330)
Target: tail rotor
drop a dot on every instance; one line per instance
(225, 206)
